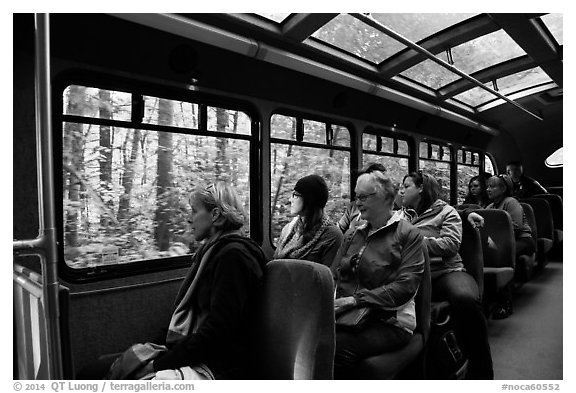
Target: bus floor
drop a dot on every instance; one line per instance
(529, 343)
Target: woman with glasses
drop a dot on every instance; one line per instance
(310, 235)
(210, 332)
(441, 226)
(378, 267)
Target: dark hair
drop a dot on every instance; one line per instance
(515, 163)
(430, 189)
(371, 167)
(314, 191)
(483, 197)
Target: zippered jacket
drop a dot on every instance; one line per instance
(382, 270)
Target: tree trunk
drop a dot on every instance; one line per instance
(105, 159)
(128, 178)
(163, 233)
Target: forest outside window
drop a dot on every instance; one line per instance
(126, 187)
(468, 167)
(435, 160)
(392, 152)
(301, 147)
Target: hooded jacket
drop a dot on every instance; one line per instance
(382, 270)
(441, 227)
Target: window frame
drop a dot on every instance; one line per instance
(145, 88)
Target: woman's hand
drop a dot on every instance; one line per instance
(343, 304)
(476, 220)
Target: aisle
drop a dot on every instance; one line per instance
(528, 344)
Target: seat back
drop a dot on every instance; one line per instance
(497, 238)
(556, 206)
(408, 361)
(543, 215)
(295, 323)
(471, 253)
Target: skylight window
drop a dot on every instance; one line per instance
(430, 74)
(353, 36)
(416, 27)
(554, 23)
(506, 86)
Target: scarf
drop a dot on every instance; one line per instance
(292, 245)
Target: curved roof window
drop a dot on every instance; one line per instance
(555, 160)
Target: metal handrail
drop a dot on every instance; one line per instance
(398, 37)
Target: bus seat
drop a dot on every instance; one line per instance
(465, 206)
(526, 264)
(407, 362)
(498, 251)
(296, 337)
(557, 208)
(545, 228)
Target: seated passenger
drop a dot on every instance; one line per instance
(210, 332)
(379, 266)
(351, 217)
(441, 226)
(500, 193)
(310, 235)
(523, 186)
(477, 192)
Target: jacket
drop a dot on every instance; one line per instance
(516, 212)
(382, 270)
(226, 299)
(527, 187)
(441, 227)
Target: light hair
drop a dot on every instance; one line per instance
(384, 185)
(223, 196)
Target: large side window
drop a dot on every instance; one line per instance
(435, 160)
(130, 163)
(301, 147)
(468, 167)
(392, 152)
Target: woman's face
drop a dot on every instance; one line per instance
(201, 220)
(410, 193)
(296, 203)
(475, 188)
(495, 188)
(370, 203)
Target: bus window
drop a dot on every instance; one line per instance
(391, 152)
(489, 165)
(126, 189)
(324, 150)
(468, 167)
(435, 160)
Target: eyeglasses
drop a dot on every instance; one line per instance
(296, 195)
(363, 198)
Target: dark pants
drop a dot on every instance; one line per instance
(376, 338)
(461, 291)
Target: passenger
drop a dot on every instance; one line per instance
(210, 332)
(310, 235)
(500, 193)
(351, 216)
(477, 192)
(441, 226)
(524, 186)
(379, 265)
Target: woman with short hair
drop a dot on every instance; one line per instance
(210, 335)
(379, 266)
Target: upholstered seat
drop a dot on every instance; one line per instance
(526, 264)
(296, 337)
(545, 228)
